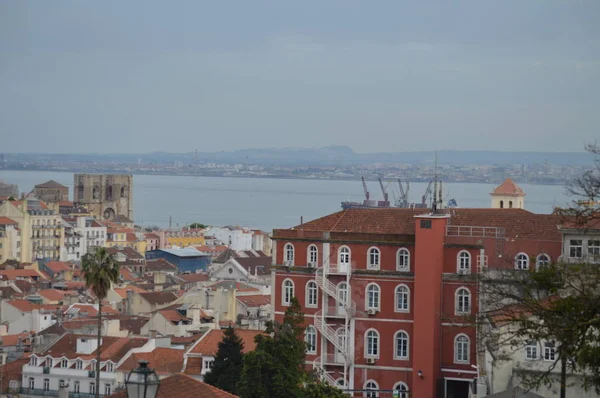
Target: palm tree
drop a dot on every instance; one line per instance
(100, 269)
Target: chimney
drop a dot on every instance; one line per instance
(129, 303)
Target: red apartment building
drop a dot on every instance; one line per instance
(390, 294)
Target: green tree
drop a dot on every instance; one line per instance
(276, 367)
(227, 368)
(318, 389)
(197, 225)
(99, 271)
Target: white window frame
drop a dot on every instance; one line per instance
(403, 253)
(92, 387)
(593, 248)
(539, 262)
(522, 262)
(289, 253)
(549, 351)
(31, 383)
(110, 367)
(313, 249)
(457, 304)
(308, 294)
(64, 363)
(371, 391)
(463, 261)
(76, 386)
(78, 364)
(207, 364)
(401, 357)
(285, 301)
(575, 246)
(33, 361)
(373, 258)
(376, 346)
(396, 301)
(348, 255)
(531, 351)
(457, 359)
(46, 385)
(403, 388)
(377, 305)
(107, 389)
(311, 331)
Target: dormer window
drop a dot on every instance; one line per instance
(64, 363)
(110, 367)
(49, 362)
(33, 361)
(79, 364)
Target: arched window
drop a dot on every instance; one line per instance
(311, 294)
(95, 192)
(403, 388)
(502, 204)
(402, 298)
(401, 345)
(342, 292)
(313, 254)
(372, 343)
(289, 254)
(123, 191)
(371, 389)
(287, 292)
(372, 297)
(522, 261)
(463, 262)
(109, 193)
(542, 259)
(310, 337)
(403, 260)
(373, 258)
(510, 204)
(463, 301)
(344, 255)
(461, 348)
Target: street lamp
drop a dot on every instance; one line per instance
(142, 382)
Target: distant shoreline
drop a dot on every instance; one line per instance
(276, 177)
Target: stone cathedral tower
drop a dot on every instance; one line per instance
(105, 195)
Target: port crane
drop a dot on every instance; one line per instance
(426, 195)
(385, 194)
(403, 200)
(367, 195)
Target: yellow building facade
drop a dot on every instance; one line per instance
(184, 237)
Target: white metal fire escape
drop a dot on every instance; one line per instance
(345, 309)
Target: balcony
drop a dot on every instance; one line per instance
(48, 393)
(46, 370)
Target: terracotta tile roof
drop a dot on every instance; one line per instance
(131, 237)
(508, 187)
(24, 305)
(12, 274)
(58, 266)
(255, 300)
(12, 371)
(159, 298)
(126, 274)
(182, 386)
(190, 278)
(174, 316)
(132, 324)
(160, 264)
(52, 294)
(209, 343)
(162, 360)
(73, 285)
(113, 348)
(90, 310)
(255, 265)
(239, 286)
(7, 221)
(122, 291)
(11, 340)
(225, 255)
(65, 203)
(50, 184)
(186, 340)
(151, 236)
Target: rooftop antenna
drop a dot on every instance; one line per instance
(434, 202)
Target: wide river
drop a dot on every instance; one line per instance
(266, 203)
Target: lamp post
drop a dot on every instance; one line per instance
(142, 382)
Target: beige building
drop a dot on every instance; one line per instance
(10, 240)
(146, 303)
(107, 196)
(51, 192)
(508, 195)
(41, 230)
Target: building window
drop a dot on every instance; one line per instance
(288, 292)
(289, 253)
(522, 261)
(425, 224)
(401, 345)
(463, 301)
(403, 388)
(593, 248)
(33, 361)
(46, 384)
(542, 260)
(313, 254)
(310, 337)
(372, 297)
(464, 262)
(342, 293)
(549, 351)
(64, 363)
(575, 248)
(372, 343)
(31, 383)
(344, 256)
(76, 387)
(461, 349)
(208, 364)
(110, 367)
(531, 351)
(373, 260)
(502, 204)
(107, 389)
(49, 362)
(79, 364)
(92, 388)
(403, 260)
(402, 298)
(371, 389)
(311, 294)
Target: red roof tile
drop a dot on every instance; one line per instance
(173, 316)
(58, 266)
(12, 274)
(255, 300)
(52, 294)
(508, 187)
(122, 291)
(24, 305)
(162, 360)
(11, 340)
(182, 386)
(7, 221)
(190, 278)
(209, 343)
(113, 348)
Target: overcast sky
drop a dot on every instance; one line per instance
(141, 76)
